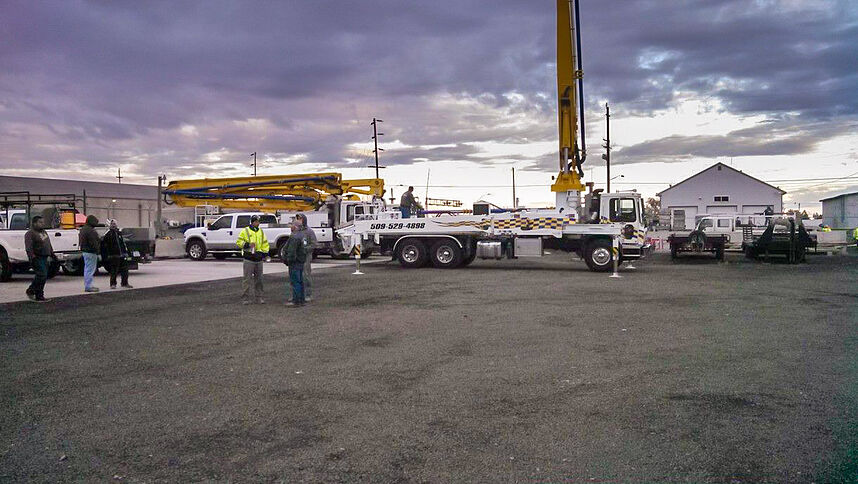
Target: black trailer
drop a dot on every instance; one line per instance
(697, 242)
(783, 237)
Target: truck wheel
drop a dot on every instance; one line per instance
(220, 256)
(365, 254)
(196, 250)
(73, 267)
(412, 254)
(471, 256)
(337, 251)
(281, 252)
(5, 267)
(446, 254)
(600, 256)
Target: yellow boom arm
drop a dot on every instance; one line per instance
(567, 78)
(271, 193)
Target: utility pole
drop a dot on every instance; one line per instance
(607, 145)
(514, 200)
(254, 163)
(375, 135)
(119, 174)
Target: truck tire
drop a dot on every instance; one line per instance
(281, 252)
(73, 267)
(471, 255)
(365, 254)
(599, 256)
(337, 251)
(445, 254)
(196, 250)
(412, 253)
(5, 267)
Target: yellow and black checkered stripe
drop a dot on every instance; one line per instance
(539, 223)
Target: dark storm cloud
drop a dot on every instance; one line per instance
(765, 139)
(164, 85)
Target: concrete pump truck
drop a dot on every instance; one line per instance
(605, 226)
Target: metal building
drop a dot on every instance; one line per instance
(719, 189)
(130, 205)
(840, 212)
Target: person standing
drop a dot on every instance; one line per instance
(310, 243)
(254, 248)
(114, 253)
(296, 255)
(39, 252)
(90, 245)
(407, 202)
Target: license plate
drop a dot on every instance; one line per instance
(136, 253)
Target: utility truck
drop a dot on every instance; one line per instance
(604, 227)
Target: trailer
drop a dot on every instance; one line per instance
(785, 237)
(698, 242)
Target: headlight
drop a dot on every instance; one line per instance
(629, 231)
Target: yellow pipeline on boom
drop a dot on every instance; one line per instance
(567, 103)
(271, 193)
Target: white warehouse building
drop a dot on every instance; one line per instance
(841, 212)
(719, 189)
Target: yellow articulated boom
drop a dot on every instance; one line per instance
(300, 192)
(569, 93)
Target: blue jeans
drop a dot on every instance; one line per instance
(406, 212)
(90, 263)
(296, 277)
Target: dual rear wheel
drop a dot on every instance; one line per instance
(443, 254)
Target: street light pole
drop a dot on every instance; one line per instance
(607, 145)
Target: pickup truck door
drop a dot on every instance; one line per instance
(219, 235)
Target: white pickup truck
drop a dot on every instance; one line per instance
(13, 254)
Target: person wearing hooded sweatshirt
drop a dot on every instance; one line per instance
(114, 253)
(90, 245)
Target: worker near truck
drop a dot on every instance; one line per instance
(254, 248)
(114, 253)
(296, 256)
(37, 243)
(407, 203)
(90, 246)
(310, 243)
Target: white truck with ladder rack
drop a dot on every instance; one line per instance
(606, 226)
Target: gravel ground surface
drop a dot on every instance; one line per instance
(505, 371)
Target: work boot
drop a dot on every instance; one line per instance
(128, 286)
(245, 302)
(260, 301)
(41, 299)
(113, 286)
(289, 303)
(308, 299)
(91, 289)
(31, 295)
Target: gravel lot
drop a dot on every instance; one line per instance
(505, 371)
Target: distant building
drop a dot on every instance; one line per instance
(130, 205)
(718, 189)
(840, 212)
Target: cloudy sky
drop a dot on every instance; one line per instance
(466, 89)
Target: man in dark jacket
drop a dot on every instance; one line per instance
(39, 252)
(296, 255)
(115, 254)
(90, 245)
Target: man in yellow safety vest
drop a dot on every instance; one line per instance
(254, 249)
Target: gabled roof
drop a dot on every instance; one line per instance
(838, 196)
(725, 166)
